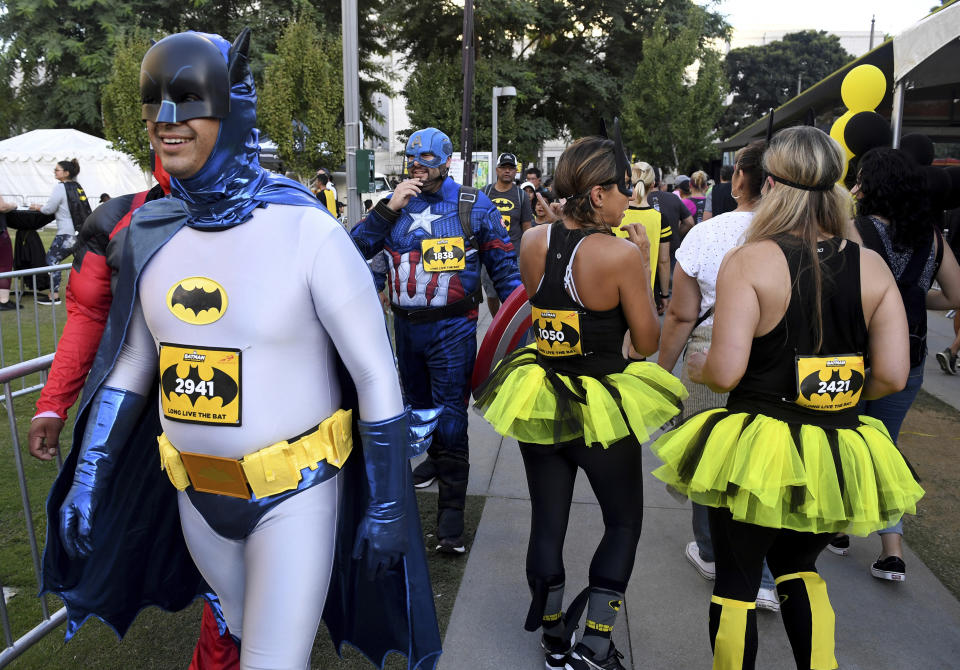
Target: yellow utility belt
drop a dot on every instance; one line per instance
(266, 472)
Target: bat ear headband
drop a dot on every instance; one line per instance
(620, 157)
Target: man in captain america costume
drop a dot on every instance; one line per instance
(437, 234)
(288, 507)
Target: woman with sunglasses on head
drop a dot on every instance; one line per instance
(70, 208)
(573, 401)
(800, 314)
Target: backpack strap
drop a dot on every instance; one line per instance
(466, 200)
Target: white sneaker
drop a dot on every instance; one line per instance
(707, 569)
(767, 600)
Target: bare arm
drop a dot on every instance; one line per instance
(636, 296)
(948, 276)
(680, 318)
(7, 205)
(686, 224)
(663, 268)
(886, 327)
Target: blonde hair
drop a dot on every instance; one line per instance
(586, 163)
(698, 180)
(642, 176)
(807, 157)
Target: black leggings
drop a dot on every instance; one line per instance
(616, 477)
(739, 550)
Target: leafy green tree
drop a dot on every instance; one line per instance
(122, 122)
(301, 101)
(765, 77)
(669, 119)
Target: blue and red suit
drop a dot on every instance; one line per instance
(436, 346)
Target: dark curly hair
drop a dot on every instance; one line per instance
(893, 187)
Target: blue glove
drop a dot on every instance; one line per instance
(382, 535)
(112, 414)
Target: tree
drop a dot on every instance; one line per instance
(765, 77)
(669, 118)
(122, 122)
(301, 102)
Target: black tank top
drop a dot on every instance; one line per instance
(786, 377)
(570, 337)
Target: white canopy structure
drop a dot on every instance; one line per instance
(27, 162)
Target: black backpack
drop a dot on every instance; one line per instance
(77, 203)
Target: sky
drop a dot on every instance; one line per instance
(893, 16)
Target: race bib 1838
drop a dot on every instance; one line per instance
(557, 332)
(829, 383)
(200, 385)
(443, 255)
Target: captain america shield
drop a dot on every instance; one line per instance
(509, 330)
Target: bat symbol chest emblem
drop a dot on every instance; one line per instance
(197, 300)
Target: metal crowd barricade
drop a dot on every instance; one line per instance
(25, 283)
(48, 622)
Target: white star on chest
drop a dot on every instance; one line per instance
(423, 220)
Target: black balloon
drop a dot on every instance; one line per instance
(865, 131)
(918, 147)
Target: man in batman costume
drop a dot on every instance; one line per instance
(282, 519)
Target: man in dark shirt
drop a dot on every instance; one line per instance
(515, 209)
(720, 198)
(674, 213)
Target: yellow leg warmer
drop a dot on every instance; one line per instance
(809, 618)
(733, 629)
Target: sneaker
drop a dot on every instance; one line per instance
(948, 361)
(707, 569)
(425, 474)
(556, 650)
(840, 545)
(451, 545)
(891, 568)
(581, 658)
(45, 299)
(9, 305)
(767, 600)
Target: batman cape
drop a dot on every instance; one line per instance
(139, 556)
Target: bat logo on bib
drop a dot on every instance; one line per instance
(829, 383)
(200, 385)
(557, 332)
(197, 300)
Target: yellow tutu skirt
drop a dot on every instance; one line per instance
(797, 476)
(525, 401)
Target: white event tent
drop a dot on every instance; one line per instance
(27, 162)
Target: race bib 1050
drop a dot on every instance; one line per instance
(557, 332)
(829, 383)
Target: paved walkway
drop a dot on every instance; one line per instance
(663, 625)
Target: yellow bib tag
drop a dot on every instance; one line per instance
(557, 332)
(506, 221)
(443, 255)
(829, 383)
(200, 385)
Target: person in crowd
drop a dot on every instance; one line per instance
(542, 210)
(367, 206)
(948, 357)
(68, 203)
(895, 220)
(437, 235)
(720, 199)
(689, 324)
(534, 175)
(693, 193)
(272, 529)
(531, 192)
(800, 312)
(641, 211)
(516, 209)
(573, 401)
(674, 213)
(6, 256)
(325, 195)
(104, 197)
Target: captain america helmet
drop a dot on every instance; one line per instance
(428, 141)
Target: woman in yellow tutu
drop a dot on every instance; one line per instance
(574, 401)
(801, 313)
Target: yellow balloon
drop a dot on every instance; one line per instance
(836, 130)
(863, 88)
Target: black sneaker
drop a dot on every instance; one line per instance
(891, 568)
(425, 474)
(948, 361)
(581, 658)
(840, 544)
(44, 299)
(9, 305)
(451, 545)
(556, 649)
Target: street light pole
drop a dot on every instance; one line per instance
(498, 92)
